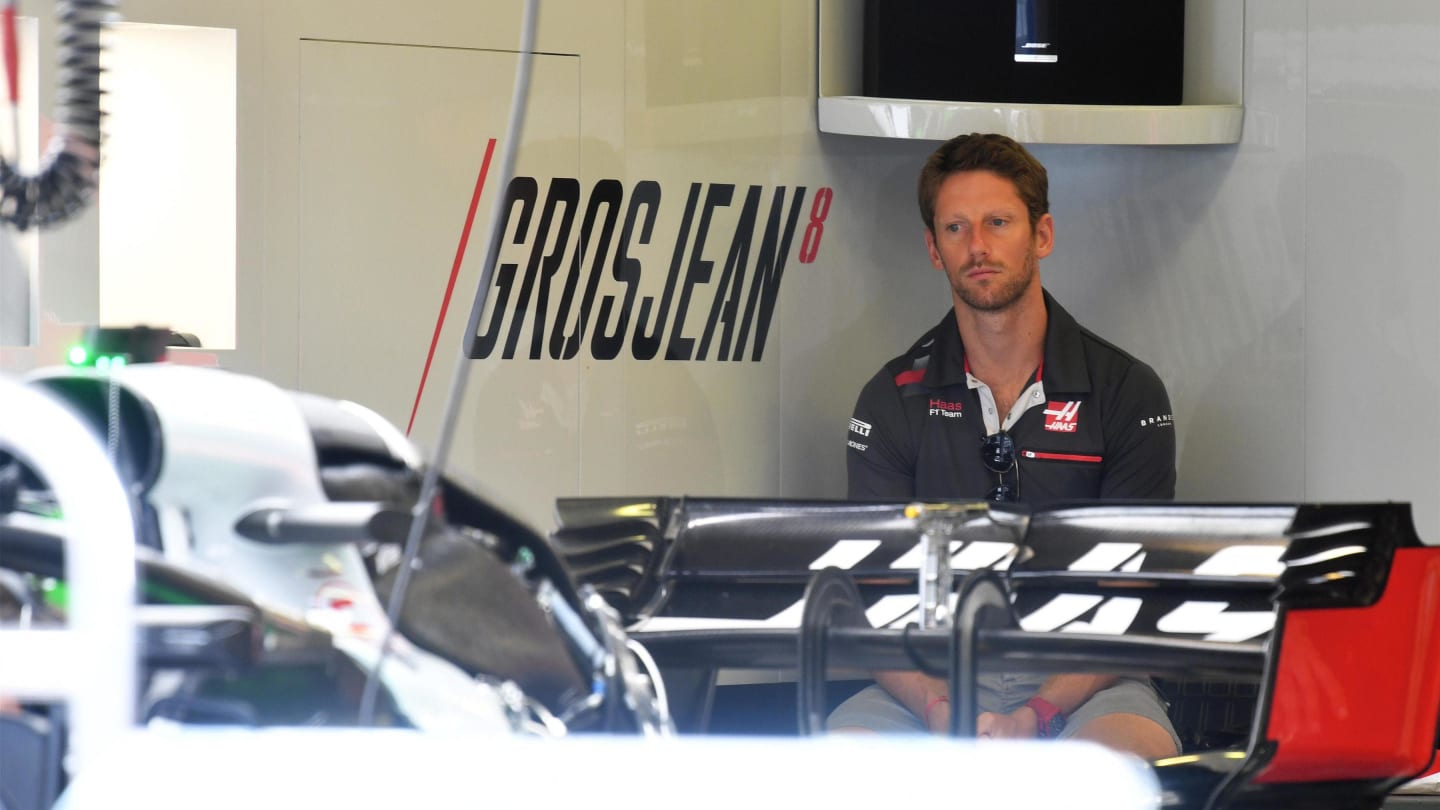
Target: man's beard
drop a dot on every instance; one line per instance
(999, 297)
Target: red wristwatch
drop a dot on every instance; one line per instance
(1049, 721)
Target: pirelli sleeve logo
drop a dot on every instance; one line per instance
(859, 429)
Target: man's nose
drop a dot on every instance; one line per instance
(978, 246)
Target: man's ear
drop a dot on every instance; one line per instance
(934, 254)
(1044, 236)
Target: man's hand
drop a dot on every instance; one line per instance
(1017, 725)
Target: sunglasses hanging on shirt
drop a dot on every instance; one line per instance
(997, 453)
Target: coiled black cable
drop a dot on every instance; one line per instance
(71, 166)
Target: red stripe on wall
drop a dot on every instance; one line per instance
(454, 272)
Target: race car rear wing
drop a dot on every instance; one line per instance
(1173, 570)
(1334, 609)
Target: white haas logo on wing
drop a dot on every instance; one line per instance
(1066, 612)
(1107, 616)
(1115, 615)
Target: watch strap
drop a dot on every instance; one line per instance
(1049, 720)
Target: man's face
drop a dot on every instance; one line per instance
(982, 240)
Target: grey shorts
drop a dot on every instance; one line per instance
(872, 707)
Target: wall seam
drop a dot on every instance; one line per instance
(1305, 275)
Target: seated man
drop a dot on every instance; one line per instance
(1008, 398)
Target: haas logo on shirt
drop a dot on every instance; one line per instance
(1062, 417)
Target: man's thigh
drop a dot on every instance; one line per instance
(1129, 710)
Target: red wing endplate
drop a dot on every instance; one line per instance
(1357, 689)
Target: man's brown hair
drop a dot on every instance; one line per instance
(987, 152)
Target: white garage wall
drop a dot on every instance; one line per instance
(167, 213)
(1285, 288)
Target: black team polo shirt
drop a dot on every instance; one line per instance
(1096, 424)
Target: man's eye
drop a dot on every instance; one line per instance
(953, 227)
(998, 222)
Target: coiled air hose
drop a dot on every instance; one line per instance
(71, 166)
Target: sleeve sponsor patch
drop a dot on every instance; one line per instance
(859, 428)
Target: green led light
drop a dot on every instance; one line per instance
(525, 558)
(118, 361)
(102, 362)
(78, 355)
(55, 593)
